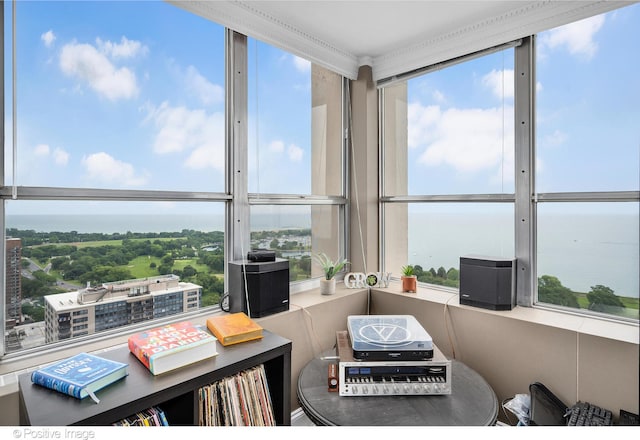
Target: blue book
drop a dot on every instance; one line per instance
(80, 375)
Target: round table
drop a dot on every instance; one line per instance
(472, 402)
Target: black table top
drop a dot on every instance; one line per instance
(472, 402)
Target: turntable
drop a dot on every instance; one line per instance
(388, 337)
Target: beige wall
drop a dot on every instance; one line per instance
(512, 349)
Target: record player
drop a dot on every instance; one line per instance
(388, 337)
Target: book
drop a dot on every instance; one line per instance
(172, 346)
(80, 375)
(234, 328)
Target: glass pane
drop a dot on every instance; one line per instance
(118, 95)
(435, 236)
(297, 232)
(588, 256)
(588, 104)
(295, 124)
(452, 131)
(57, 250)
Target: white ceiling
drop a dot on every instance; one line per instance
(391, 36)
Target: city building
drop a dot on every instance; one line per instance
(13, 283)
(112, 305)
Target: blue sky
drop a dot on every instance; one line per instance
(588, 118)
(126, 95)
(131, 95)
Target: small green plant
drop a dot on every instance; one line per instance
(407, 270)
(330, 267)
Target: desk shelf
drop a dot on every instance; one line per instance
(175, 392)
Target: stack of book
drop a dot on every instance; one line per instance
(150, 417)
(239, 400)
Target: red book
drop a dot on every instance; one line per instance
(172, 346)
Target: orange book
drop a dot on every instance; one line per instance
(234, 328)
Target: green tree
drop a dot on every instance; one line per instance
(551, 291)
(603, 299)
(453, 274)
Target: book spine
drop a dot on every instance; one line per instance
(139, 353)
(56, 384)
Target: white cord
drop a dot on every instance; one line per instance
(244, 274)
(355, 177)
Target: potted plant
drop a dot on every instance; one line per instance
(409, 279)
(330, 269)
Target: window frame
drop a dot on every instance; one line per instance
(235, 197)
(525, 199)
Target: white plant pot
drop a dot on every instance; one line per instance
(328, 287)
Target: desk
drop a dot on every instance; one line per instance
(472, 402)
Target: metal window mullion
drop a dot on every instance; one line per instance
(97, 194)
(525, 224)
(594, 196)
(294, 199)
(451, 198)
(237, 235)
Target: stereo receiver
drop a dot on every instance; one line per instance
(391, 378)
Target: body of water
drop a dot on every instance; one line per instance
(594, 250)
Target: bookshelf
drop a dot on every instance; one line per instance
(175, 392)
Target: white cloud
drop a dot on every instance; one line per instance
(301, 65)
(577, 37)
(41, 150)
(208, 92)
(104, 168)
(195, 132)
(276, 146)
(500, 82)
(48, 38)
(467, 140)
(59, 156)
(84, 62)
(421, 121)
(295, 153)
(125, 49)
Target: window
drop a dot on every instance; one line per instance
(448, 158)
(119, 206)
(115, 174)
(588, 157)
(296, 158)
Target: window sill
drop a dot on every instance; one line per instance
(580, 324)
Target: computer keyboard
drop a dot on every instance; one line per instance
(586, 414)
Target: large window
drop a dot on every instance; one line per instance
(115, 167)
(588, 164)
(448, 158)
(296, 158)
(117, 160)
(450, 142)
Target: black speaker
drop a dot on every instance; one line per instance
(488, 282)
(267, 287)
